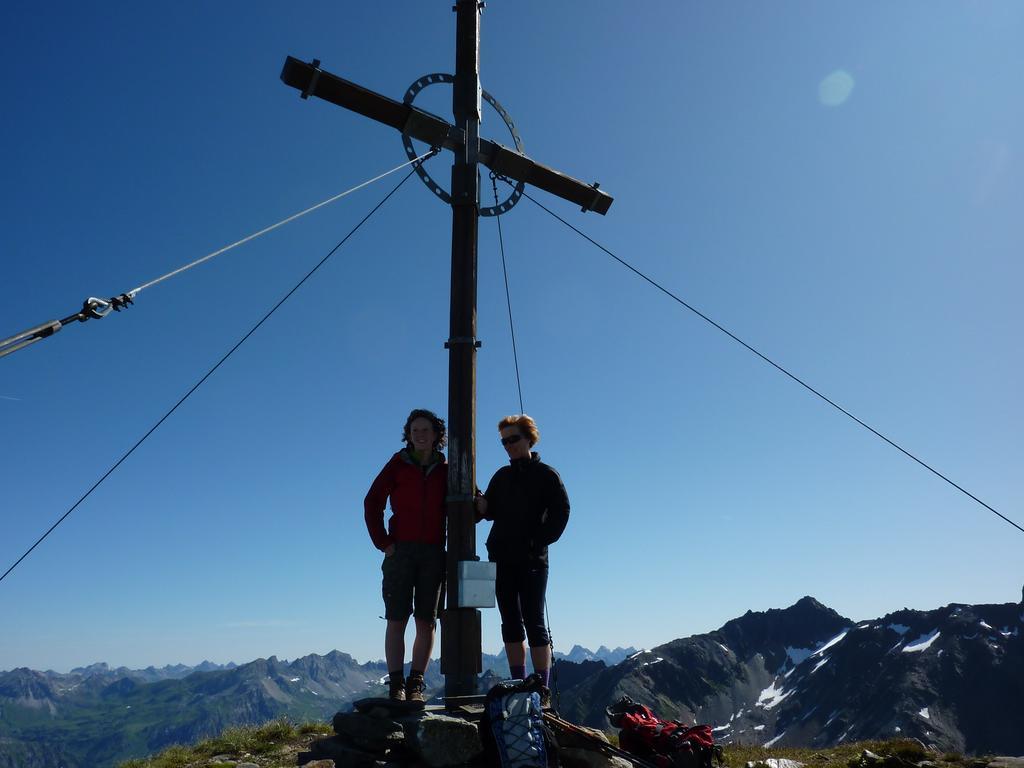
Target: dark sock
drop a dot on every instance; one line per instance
(517, 672)
(545, 676)
(396, 676)
(415, 673)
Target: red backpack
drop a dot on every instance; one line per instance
(666, 744)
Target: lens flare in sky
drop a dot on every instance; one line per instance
(835, 88)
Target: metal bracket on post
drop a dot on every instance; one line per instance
(463, 340)
(309, 89)
(593, 203)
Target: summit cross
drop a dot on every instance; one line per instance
(460, 627)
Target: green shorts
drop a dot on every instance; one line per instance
(413, 580)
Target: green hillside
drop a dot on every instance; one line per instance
(277, 743)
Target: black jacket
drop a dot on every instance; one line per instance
(529, 507)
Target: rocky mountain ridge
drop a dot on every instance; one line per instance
(799, 676)
(806, 676)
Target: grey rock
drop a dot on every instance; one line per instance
(442, 741)
(590, 738)
(578, 757)
(1006, 762)
(782, 762)
(379, 707)
(308, 759)
(373, 734)
(344, 755)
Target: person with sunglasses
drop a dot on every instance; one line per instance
(529, 507)
(416, 481)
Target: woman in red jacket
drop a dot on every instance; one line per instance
(416, 481)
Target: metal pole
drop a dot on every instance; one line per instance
(460, 627)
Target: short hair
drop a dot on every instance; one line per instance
(434, 419)
(527, 427)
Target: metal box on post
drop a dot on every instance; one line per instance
(476, 584)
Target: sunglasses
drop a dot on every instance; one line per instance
(511, 439)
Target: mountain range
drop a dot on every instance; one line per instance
(800, 676)
(578, 654)
(952, 677)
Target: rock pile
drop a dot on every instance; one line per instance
(387, 734)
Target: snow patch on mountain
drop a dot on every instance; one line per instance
(837, 639)
(771, 743)
(772, 696)
(923, 643)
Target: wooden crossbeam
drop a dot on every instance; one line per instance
(423, 126)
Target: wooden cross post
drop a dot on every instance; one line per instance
(460, 627)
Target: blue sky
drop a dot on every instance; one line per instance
(863, 229)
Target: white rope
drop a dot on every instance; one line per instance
(132, 293)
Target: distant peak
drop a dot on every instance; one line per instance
(809, 602)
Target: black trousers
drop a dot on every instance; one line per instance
(520, 588)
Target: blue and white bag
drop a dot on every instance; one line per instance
(513, 729)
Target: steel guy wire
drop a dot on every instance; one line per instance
(771, 362)
(135, 291)
(508, 298)
(208, 374)
(100, 308)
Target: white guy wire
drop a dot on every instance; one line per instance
(132, 293)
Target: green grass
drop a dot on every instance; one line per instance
(845, 755)
(246, 744)
(277, 743)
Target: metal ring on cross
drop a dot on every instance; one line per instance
(433, 186)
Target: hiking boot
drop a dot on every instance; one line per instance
(396, 689)
(545, 697)
(414, 688)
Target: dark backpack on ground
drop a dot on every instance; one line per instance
(666, 744)
(512, 728)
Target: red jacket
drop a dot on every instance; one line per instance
(417, 502)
